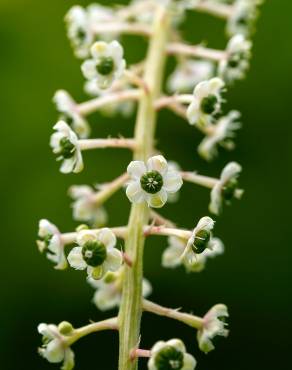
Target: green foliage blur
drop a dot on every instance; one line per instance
(253, 277)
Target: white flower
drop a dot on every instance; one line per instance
(198, 242)
(152, 182)
(109, 290)
(206, 102)
(172, 256)
(69, 113)
(243, 17)
(64, 143)
(226, 188)
(79, 31)
(213, 325)
(80, 26)
(54, 348)
(171, 355)
(50, 243)
(107, 63)
(96, 252)
(235, 66)
(222, 133)
(84, 206)
(188, 74)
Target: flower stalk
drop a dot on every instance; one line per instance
(93, 105)
(188, 319)
(87, 144)
(216, 9)
(197, 51)
(108, 324)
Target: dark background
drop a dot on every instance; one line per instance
(253, 277)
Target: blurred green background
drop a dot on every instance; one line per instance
(253, 277)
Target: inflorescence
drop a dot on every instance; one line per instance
(193, 91)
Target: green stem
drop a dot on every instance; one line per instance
(131, 305)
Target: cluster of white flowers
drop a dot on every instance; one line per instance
(199, 80)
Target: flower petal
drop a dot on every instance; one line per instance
(88, 69)
(172, 181)
(157, 163)
(113, 261)
(107, 237)
(157, 200)
(76, 260)
(135, 193)
(178, 344)
(189, 362)
(136, 169)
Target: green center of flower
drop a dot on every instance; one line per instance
(105, 66)
(67, 148)
(234, 61)
(243, 20)
(201, 241)
(151, 182)
(209, 103)
(169, 358)
(80, 35)
(94, 253)
(228, 190)
(68, 118)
